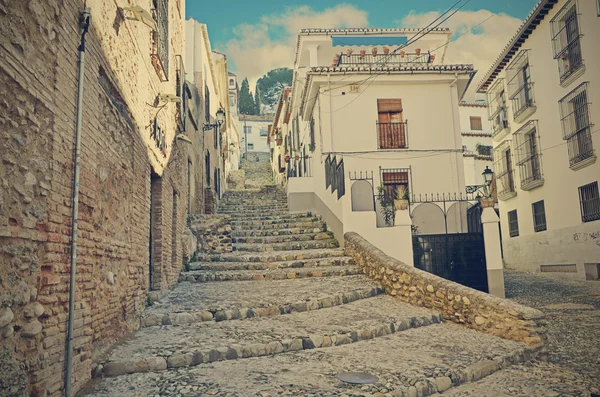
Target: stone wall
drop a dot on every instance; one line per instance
(236, 180)
(213, 233)
(457, 303)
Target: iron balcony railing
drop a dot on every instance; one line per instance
(384, 59)
(392, 135)
(580, 146)
(522, 99)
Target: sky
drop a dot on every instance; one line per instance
(259, 35)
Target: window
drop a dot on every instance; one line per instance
(476, 123)
(312, 135)
(250, 146)
(247, 129)
(590, 202)
(263, 132)
(520, 87)
(565, 40)
(539, 216)
(483, 150)
(575, 118)
(513, 223)
(391, 130)
(207, 167)
(504, 168)
(529, 157)
(497, 107)
(231, 82)
(160, 36)
(206, 103)
(392, 179)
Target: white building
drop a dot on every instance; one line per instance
(544, 96)
(255, 130)
(358, 121)
(476, 140)
(278, 138)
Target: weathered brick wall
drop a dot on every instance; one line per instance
(457, 303)
(213, 233)
(38, 67)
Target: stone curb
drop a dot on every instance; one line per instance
(271, 311)
(275, 275)
(238, 351)
(298, 264)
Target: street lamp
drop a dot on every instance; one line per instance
(488, 175)
(220, 117)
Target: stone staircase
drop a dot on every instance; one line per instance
(283, 314)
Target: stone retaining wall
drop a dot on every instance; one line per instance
(213, 233)
(457, 303)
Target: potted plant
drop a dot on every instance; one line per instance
(287, 158)
(402, 53)
(363, 53)
(296, 157)
(418, 51)
(387, 206)
(349, 51)
(386, 50)
(306, 156)
(401, 200)
(432, 58)
(374, 51)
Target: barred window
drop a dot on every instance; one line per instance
(160, 53)
(576, 124)
(528, 155)
(497, 107)
(312, 134)
(566, 40)
(513, 223)
(590, 202)
(206, 103)
(504, 171)
(392, 180)
(520, 87)
(539, 216)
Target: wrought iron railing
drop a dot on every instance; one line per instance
(590, 202)
(392, 135)
(384, 59)
(580, 146)
(522, 99)
(160, 36)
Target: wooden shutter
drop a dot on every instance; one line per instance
(476, 123)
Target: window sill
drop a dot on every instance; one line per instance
(533, 184)
(584, 163)
(574, 76)
(501, 134)
(525, 114)
(506, 195)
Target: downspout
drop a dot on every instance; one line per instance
(84, 25)
(330, 112)
(454, 136)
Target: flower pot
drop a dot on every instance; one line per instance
(432, 58)
(386, 50)
(363, 53)
(418, 51)
(374, 51)
(306, 156)
(297, 158)
(402, 53)
(487, 202)
(349, 51)
(401, 205)
(287, 158)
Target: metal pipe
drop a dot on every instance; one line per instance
(84, 25)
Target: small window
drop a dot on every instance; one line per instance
(231, 82)
(513, 223)
(250, 146)
(263, 132)
(539, 216)
(476, 123)
(392, 180)
(247, 129)
(590, 202)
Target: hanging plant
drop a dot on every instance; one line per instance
(387, 206)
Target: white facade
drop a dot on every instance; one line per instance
(254, 132)
(476, 139)
(545, 103)
(336, 115)
(278, 138)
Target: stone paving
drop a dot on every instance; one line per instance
(286, 322)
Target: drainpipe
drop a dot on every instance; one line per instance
(84, 25)
(330, 112)
(454, 135)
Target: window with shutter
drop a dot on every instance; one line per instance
(476, 123)
(391, 129)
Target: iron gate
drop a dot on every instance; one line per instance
(459, 257)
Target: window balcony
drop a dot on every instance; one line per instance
(523, 102)
(392, 135)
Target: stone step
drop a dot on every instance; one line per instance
(424, 361)
(151, 319)
(224, 207)
(206, 342)
(283, 238)
(276, 232)
(287, 246)
(272, 217)
(295, 264)
(261, 225)
(202, 276)
(275, 256)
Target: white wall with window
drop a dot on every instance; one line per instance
(476, 132)
(255, 130)
(544, 109)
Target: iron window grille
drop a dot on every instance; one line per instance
(590, 202)
(312, 134)
(207, 167)
(160, 36)
(539, 216)
(520, 87)
(576, 124)
(566, 40)
(528, 153)
(497, 107)
(504, 170)
(392, 179)
(513, 223)
(206, 103)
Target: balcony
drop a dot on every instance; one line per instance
(523, 102)
(392, 135)
(384, 59)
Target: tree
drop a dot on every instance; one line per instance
(271, 84)
(257, 101)
(245, 101)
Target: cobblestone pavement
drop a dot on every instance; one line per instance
(572, 308)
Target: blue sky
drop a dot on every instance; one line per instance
(259, 35)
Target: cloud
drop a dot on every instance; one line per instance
(254, 51)
(481, 46)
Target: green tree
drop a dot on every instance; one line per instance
(271, 84)
(257, 101)
(245, 101)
